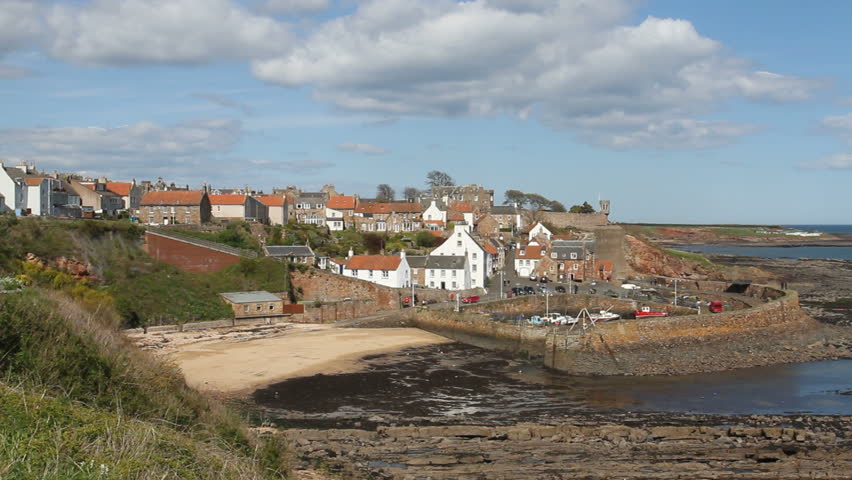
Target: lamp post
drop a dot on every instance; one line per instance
(501, 284)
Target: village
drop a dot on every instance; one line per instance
(447, 237)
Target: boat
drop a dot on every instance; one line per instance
(559, 319)
(646, 312)
(603, 316)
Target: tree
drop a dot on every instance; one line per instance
(374, 243)
(385, 193)
(536, 201)
(425, 239)
(410, 194)
(556, 206)
(515, 197)
(437, 178)
(584, 208)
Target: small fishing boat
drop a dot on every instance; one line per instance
(646, 312)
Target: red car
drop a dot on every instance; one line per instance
(470, 299)
(717, 307)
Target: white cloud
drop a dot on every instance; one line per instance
(364, 148)
(840, 161)
(293, 7)
(841, 126)
(139, 147)
(570, 63)
(110, 32)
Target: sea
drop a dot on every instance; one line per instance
(829, 252)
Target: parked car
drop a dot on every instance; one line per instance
(533, 277)
(517, 291)
(630, 286)
(543, 279)
(529, 291)
(560, 289)
(470, 299)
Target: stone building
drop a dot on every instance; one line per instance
(169, 207)
(388, 217)
(478, 197)
(257, 304)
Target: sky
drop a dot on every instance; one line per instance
(676, 111)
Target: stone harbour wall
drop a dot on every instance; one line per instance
(774, 332)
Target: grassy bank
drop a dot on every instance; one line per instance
(142, 290)
(74, 395)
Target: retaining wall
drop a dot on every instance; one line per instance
(483, 332)
(187, 256)
(705, 342)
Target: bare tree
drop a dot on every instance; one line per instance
(437, 178)
(385, 193)
(410, 194)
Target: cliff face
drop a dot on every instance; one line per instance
(646, 259)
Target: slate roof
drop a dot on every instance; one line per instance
(173, 197)
(374, 262)
(564, 252)
(504, 210)
(14, 173)
(250, 297)
(288, 251)
(416, 261)
(227, 199)
(445, 262)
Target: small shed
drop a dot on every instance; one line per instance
(258, 304)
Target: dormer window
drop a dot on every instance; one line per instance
(573, 256)
(553, 255)
(523, 252)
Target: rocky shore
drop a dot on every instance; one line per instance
(590, 447)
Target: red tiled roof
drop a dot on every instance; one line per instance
(373, 262)
(341, 202)
(120, 188)
(272, 200)
(490, 248)
(455, 217)
(228, 199)
(463, 207)
(33, 181)
(435, 222)
(403, 207)
(173, 197)
(437, 233)
(529, 251)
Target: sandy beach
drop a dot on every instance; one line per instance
(238, 361)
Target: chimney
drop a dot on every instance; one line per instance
(350, 255)
(402, 254)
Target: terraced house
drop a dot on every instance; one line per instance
(388, 217)
(388, 270)
(187, 207)
(233, 207)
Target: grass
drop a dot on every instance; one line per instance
(74, 395)
(235, 234)
(693, 257)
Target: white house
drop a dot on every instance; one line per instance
(387, 270)
(537, 229)
(447, 272)
(527, 257)
(13, 186)
(339, 211)
(434, 213)
(461, 243)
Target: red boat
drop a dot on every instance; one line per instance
(646, 312)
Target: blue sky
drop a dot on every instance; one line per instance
(723, 111)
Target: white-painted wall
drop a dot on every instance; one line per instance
(460, 243)
(434, 213)
(399, 278)
(14, 191)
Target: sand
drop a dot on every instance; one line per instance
(223, 364)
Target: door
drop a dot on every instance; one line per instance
(443, 285)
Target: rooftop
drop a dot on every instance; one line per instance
(227, 199)
(173, 197)
(341, 202)
(374, 262)
(272, 200)
(402, 207)
(120, 188)
(288, 251)
(445, 262)
(250, 297)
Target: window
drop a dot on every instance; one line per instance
(573, 256)
(458, 244)
(354, 273)
(443, 273)
(188, 210)
(370, 274)
(576, 266)
(258, 307)
(272, 306)
(474, 255)
(454, 274)
(245, 308)
(553, 255)
(431, 284)
(458, 234)
(454, 284)
(319, 205)
(473, 267)
(431, 273)
(385, 274)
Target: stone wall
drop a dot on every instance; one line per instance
(563, 220)
(186, 256)
(483, 332)
(708, 342)
(329, 288)
(336, 311)
(535, 305)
